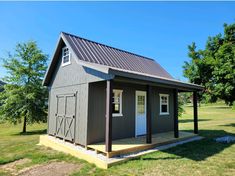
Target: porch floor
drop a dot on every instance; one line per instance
(130, 145)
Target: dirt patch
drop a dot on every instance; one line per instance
(12, 167)
(53, 168)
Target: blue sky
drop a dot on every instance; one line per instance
(159, 30)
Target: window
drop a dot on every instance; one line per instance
(65, 56)
(141, 104)
(164, 104)
(117, 103)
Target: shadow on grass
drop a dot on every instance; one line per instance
(220, 107)
(35, 132)
(191, 120)
(229, 125)
(197, 150)
(210, 107)
(160, 158)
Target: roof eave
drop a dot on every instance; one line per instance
(49, 68)
(179, 84)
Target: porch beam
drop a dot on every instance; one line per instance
(195, 112)
(149, 115)
(108, 128)
(176, 123)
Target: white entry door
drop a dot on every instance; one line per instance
(140, 113)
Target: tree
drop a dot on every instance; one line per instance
(24, 98)
(180, 105)
(214, 67)
(1, 85)
(197, 70)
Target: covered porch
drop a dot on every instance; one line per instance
(130, 145)
(123, 146)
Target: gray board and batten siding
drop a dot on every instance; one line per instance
(68, 91)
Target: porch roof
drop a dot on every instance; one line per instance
(142, 78)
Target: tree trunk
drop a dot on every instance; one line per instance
(24, 125)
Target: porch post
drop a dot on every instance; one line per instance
(108, 129)
(149, 115)
(195, 112)
(176, 123)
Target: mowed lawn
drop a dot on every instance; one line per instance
(199, 158)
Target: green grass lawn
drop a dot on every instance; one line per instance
(205, 157)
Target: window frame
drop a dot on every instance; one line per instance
(66, 63)
(120, 103)
(167, 96)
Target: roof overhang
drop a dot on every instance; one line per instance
(141, 76)
(156, 80)
(53, 62)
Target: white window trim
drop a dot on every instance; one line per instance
(164, 95)
(120, 113)
(67, 63)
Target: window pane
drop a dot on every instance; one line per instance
(65, 55)
(116, 102)
(164, 108)
(141, 104)
(66, 59)
(164, 100)
(116, 108)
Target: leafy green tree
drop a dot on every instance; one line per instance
(197, 70)
(24, 98)
(191, 69)
(214, 67)
(224, 67)
(1, 85)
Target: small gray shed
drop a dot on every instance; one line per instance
(101, 93)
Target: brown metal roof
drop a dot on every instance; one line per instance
(98, 53)
(116, 62)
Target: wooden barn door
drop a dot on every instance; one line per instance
(65, 116)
